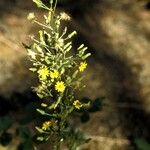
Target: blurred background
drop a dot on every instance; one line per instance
(117, 33)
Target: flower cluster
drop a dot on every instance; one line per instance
(47, 124)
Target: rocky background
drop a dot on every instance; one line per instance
(117, 33)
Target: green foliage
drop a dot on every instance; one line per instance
(25, 134)
(5, 123)
(22, 132)
(5, 138)
(76, 138)
(90, 107)
(60, 74)
(142, 144)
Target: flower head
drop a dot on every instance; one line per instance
(82, 66)
(54, 74)
(46, 125)
(31, 16)
(43, 73)
(64, 16)
(77, 104)
(60, 86)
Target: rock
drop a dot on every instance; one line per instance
(14, 74)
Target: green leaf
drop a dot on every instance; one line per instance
(38, 3)
(80, 47)
(85, 117)
(33, 69)
(40, 138)
(54, 105)
(27, 145)
(96, 105)
(75, 74)
(86, 56)
(142, 144)
(24, 133)
(82, 51)
(68, 49)
(72, 34)
(5, 138)
(5, 123)
(67, 45)
(42, 112)
(39, 129)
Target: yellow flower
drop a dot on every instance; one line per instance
(60, 86)
(54, 74)
(46, 125)
(64, 16)
(77, 104)
(82, 66)
(43, 73)
(31, 16)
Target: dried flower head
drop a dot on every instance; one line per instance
(64, 16)
(31, 16)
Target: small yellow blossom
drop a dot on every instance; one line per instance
(31, 16)
(64, 16)
(77, 104)
(54, 74)
(60, 86)
(46, 125)
(82, 66)
(43, 73)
